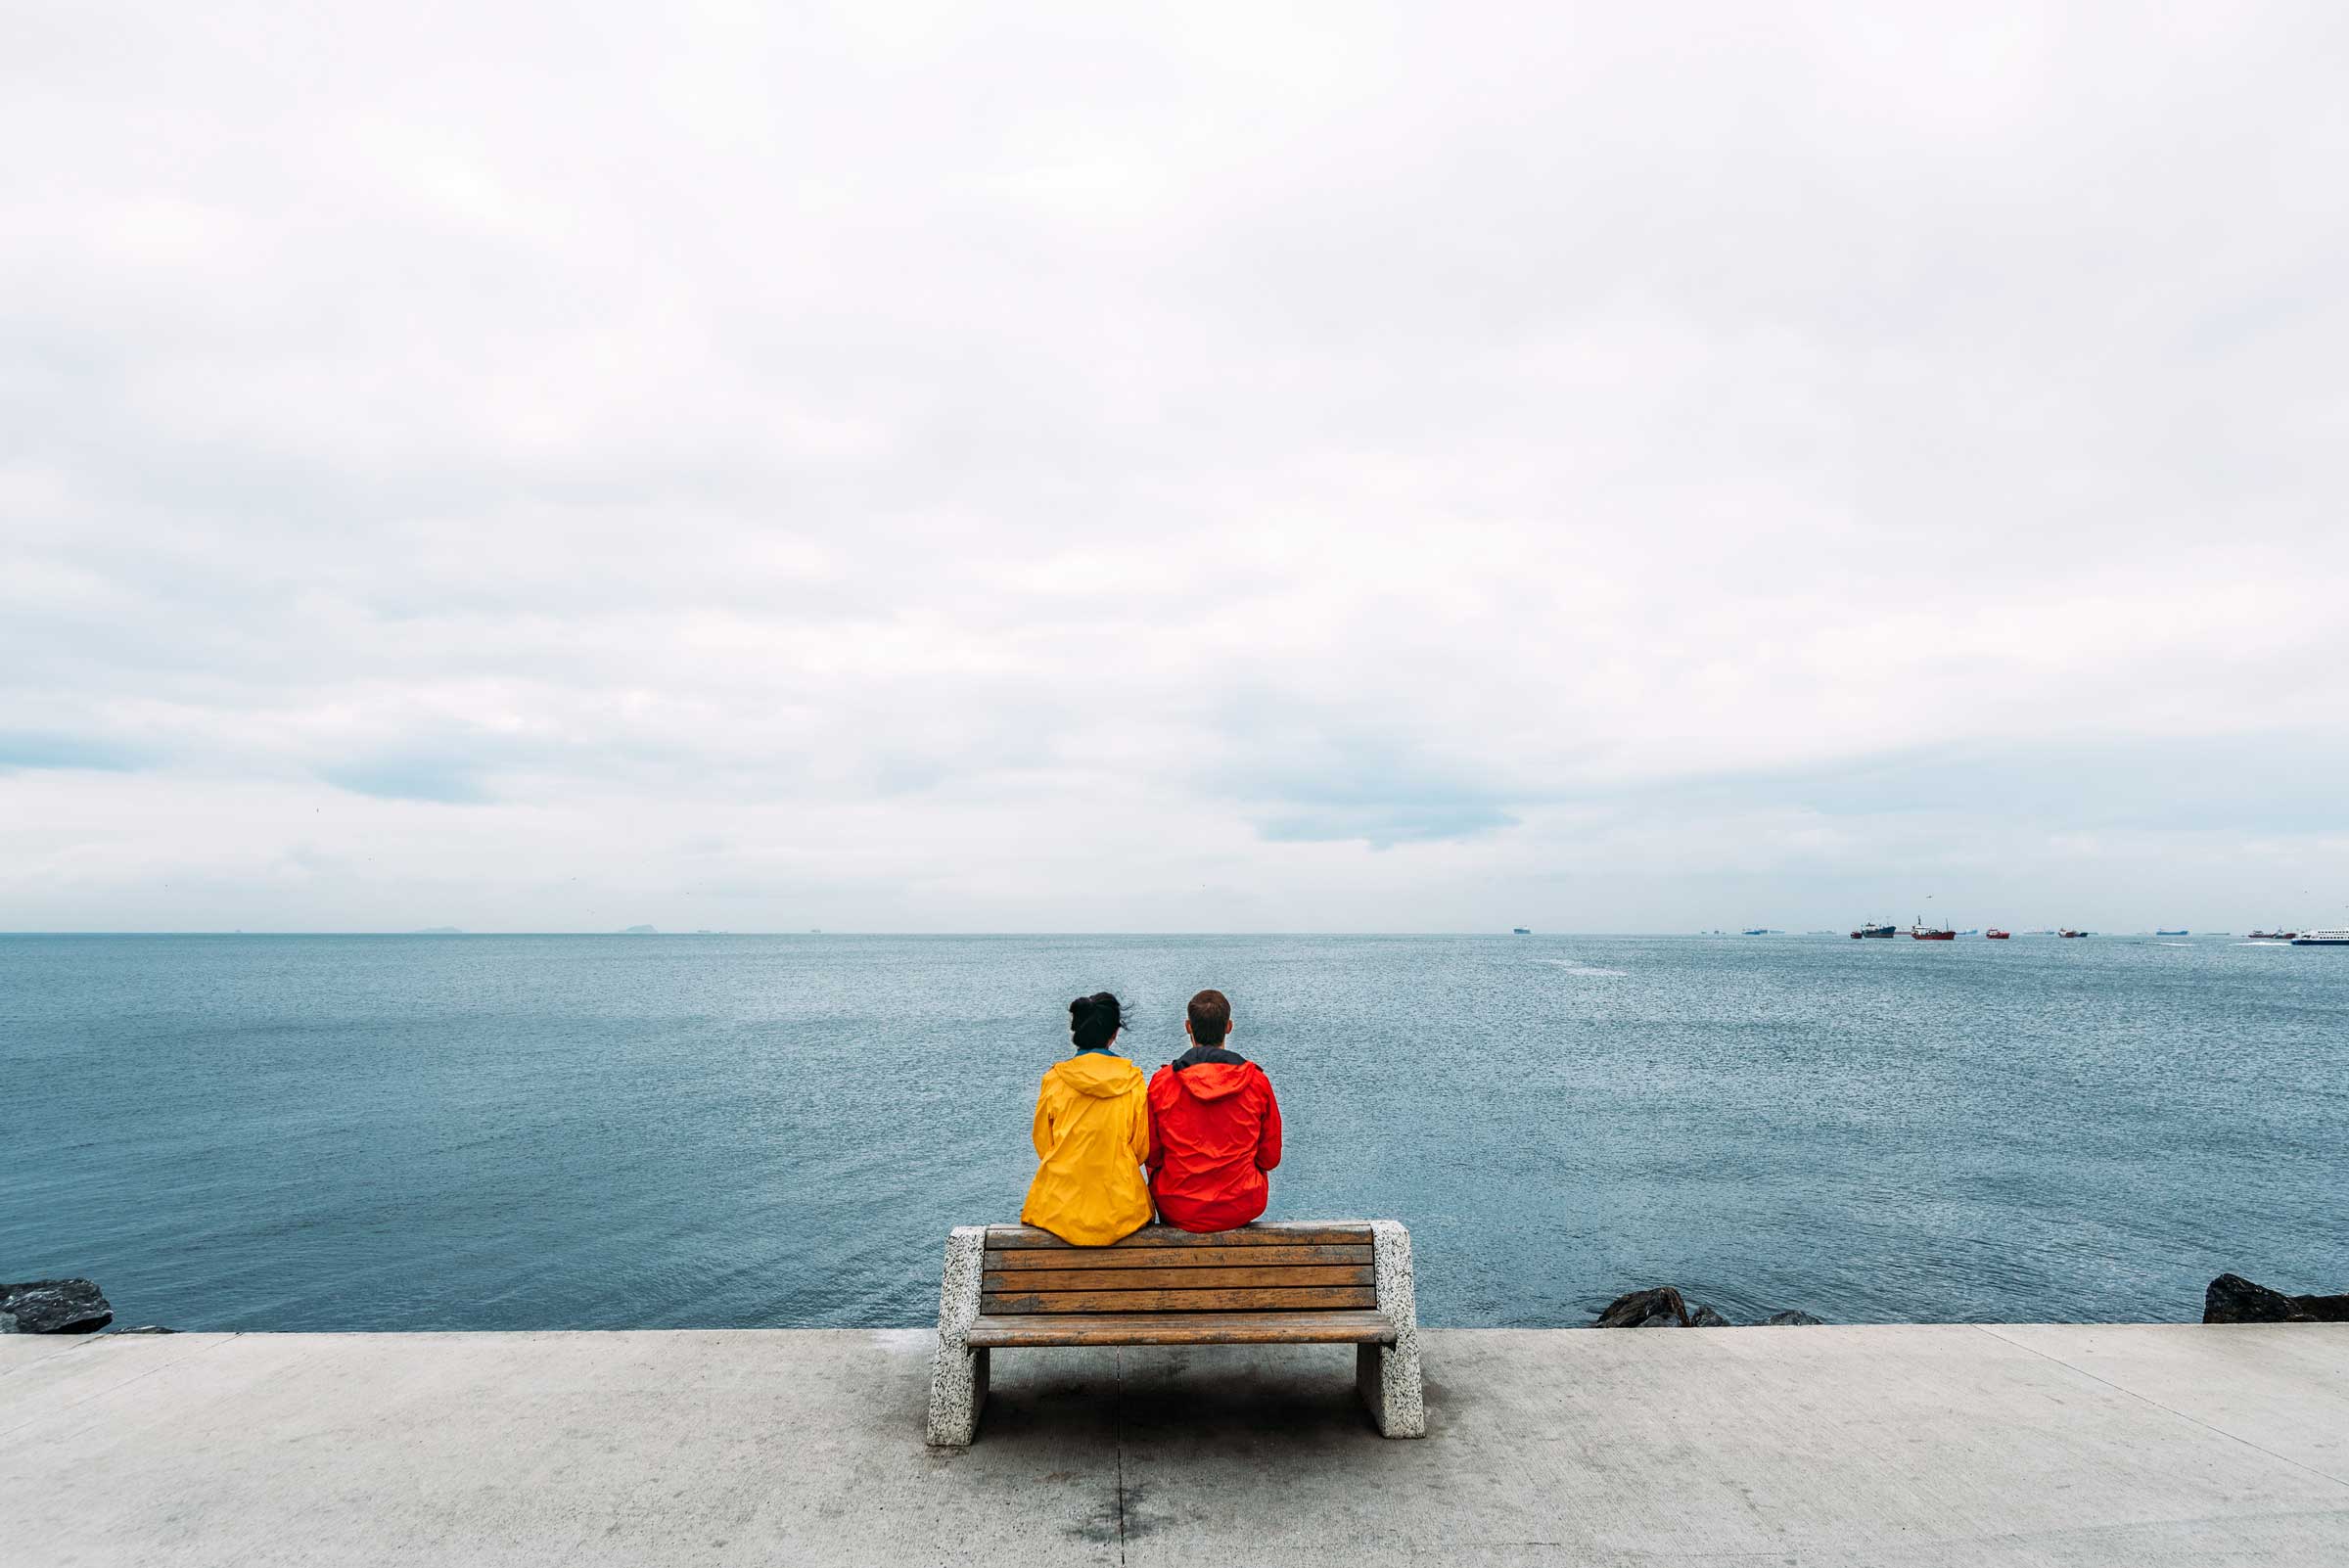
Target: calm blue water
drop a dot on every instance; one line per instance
(386, 1132)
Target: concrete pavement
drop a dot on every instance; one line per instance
(1928, 1445)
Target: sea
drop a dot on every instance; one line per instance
(328, 1133)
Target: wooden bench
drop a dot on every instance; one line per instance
(1289, 1282)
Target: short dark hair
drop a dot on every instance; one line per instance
(1094, 1020)
(1210, 1017)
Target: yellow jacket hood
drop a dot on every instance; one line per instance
(1097, 1074)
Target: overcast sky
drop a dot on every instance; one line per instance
(1201, 466)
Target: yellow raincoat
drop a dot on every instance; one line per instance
(1092, 1127)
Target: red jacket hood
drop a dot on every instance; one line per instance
(1215, 1081)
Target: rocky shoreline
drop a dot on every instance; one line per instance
(79, 1306)
(2229, 1299)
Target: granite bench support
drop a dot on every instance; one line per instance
(958, 1372)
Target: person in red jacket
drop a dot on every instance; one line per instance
(1215, 1127)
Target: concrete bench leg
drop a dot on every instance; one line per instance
(958, 1374)
(1387, 1376)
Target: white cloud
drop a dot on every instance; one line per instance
(914, 466)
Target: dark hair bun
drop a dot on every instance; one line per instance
(1094, 1020)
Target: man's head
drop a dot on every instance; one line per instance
(1211, 1018)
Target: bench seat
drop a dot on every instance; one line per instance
(1182, 1328)
(1286, 1282)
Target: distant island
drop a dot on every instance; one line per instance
(641, 931)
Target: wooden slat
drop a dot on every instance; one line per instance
(1182, 1328)
(1050, 1279)
(1323, 1297)
(1276, 1233)
(1058, 1258)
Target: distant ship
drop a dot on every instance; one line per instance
(2068, 932)
(2337, 936)
(1520, 931)
(1993, 933)
(2272, 936)
(2172, 932)
(1919, 932)
(1884, 930)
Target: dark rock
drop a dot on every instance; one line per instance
(2233, 1299)
(1793, 1318)
(1702, 1316)
(53, 1307)
(1660, 1308)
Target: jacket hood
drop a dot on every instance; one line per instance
(1214, 1081)
(1098, 1073)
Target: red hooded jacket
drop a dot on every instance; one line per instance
(1215, 1131)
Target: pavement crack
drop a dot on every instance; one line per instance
(2146, 1399)
(115, 1388)
(48, 1351)
(1117, 1429)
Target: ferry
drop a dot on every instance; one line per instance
(2337, 936)
(1884, 930)
(2272, 936)
(1993, 933)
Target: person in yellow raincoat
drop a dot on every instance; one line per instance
(1092, 1128)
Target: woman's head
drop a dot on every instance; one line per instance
(1094, 1020)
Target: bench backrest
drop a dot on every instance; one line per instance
(1280, 1266)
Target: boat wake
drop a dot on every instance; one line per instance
(1573, 968)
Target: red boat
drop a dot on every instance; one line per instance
(1920, 934)
(1993, 933)
(2068, 932)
